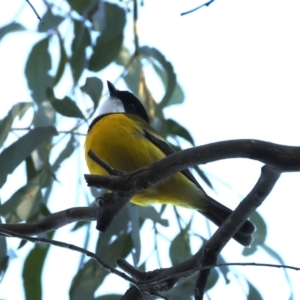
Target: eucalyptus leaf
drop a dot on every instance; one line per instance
(32, 271)
(66, 106)
(83, 7)
(4, 258)
(180, 249)
(37, 70)
(159, 60)
(50, 21)
(253, 293)
(109, 43)
(23, 203)
(93, 87)
(176, 129)
(9, 28)
(18, 110)
(87, 280)
(62, 62)
(149, 212)
(135, 232)
(81, 40)
(14, 154)
(133, 70)
(67, 151)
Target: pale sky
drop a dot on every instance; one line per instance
(239, 65)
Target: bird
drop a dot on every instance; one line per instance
(121, 136)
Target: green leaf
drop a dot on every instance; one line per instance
(276, 256)
(93, 87)
(79, 225)
(109, 297)
(176, 129)
(62, 62)
(203, 176)
(66, 153)
(37, 70)
(18, 110)
(86, 281)
(50, 21)
(82, 39)
(253, 293)
(13, 155)
(180, 249)
(4, 258)
(83, 7)
(24, 202)
(150, 213)
(259, 236)
(159, 62)
(212, 279)
(66, 107)
(109, 43)
(45, 115)
(225, 271)
(119, 224)
(132, 74)
(135, 232)
(30, 168)
(32, 271)
(183, 290)
(9, 28)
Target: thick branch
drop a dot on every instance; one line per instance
(283, 158)
(164, 279)
(55, 220)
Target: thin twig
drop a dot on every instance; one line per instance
(72, 247)
(35, 12)
(194, 9)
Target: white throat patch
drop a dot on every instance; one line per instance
(111, 105)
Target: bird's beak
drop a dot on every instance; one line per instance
(112, 90)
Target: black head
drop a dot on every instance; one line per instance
(132, 104)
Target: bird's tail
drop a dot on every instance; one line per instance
(218, 213)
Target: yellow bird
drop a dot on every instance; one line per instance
(123, 137)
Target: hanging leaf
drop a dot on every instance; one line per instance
(135, 232)
(203, 176)
(253, 293)
(37, 70)
(177, 96)
(176, 129)
(93, 87)
(150, 213)
(9, 28)
(50, 21)
(67, 151)
(81, 40)
(45, 115)
(259, 235)
(13, 155)
(158, 60)
(32, 271)
(30, 168)
(133, 70)
(62, 62)
(109, 43)
(180, 249)
(83, 7)
(109, 297)
(24, 202)
(4, 258)
(66, 107)
(87, 280)
(18, 110)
